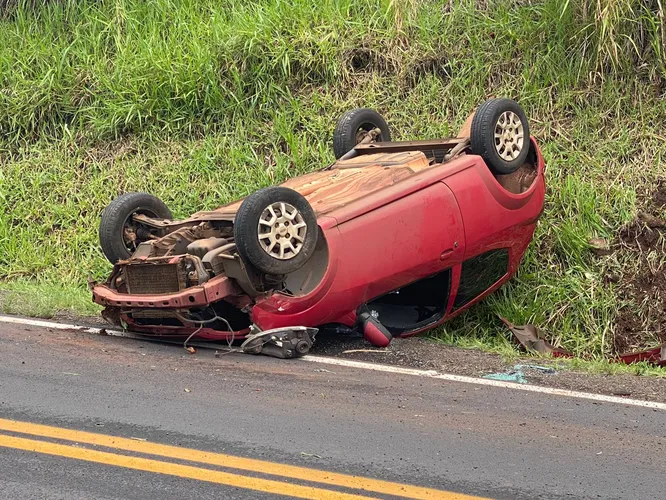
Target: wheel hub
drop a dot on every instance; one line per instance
(509, 135)
(132, 233)
(281, 230)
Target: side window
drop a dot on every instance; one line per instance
(480, 273)
(418, 303)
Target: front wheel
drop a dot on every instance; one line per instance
(275, 230)
(119, 235)
(500, 134)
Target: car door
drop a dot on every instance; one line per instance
(399, 243)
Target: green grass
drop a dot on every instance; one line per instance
(607, 367)
(45, 299)
(201, 102)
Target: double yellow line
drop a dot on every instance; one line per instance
(376, 488)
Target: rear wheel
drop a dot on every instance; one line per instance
(500, 134)
(354, 126)
(119, 235)
(275, 230)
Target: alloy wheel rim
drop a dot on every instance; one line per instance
(509, 136)
(282, 231)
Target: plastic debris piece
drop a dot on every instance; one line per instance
(533, 339)
(655, 356)
(513, 376)
(517, 375)
(543, 369)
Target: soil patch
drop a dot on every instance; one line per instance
(659, 195)
(644, 233)
(635, 331)
(643, 324)
(369, 60)
(437, 66)
(413, 352)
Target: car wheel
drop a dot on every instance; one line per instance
(119, 236)
(353, 127)
(500, 134)
(275, 230)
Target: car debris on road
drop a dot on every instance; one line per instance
(517, 373)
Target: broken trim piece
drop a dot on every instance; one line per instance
(656, 356)
(533, 340)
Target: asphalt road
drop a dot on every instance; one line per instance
(234, 426)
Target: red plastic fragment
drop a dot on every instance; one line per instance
(656, 356)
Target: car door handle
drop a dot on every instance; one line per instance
(446, 254)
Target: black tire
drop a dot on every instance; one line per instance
(345, 136)
(246, 231)
(118, 214)
(486, 122)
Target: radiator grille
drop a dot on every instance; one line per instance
(152, 278)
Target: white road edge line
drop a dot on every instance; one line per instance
(385, 368)
(482, 381)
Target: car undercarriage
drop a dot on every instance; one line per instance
(376, 242)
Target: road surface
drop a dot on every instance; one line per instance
(87, 416)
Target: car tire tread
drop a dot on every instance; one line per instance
(344, 136)
(115, 215)
(482, 134)
(246, 230)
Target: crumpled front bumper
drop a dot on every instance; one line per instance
(215, 289)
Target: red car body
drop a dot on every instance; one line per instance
(453, 223)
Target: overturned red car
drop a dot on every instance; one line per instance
(390, 240)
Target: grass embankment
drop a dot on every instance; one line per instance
(202, 101)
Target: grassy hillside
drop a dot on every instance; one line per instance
(203, 101)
